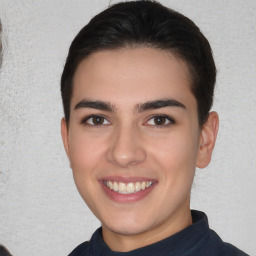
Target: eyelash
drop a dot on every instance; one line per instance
(86, 119)
(165, 117)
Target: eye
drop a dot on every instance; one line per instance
(160, 120)
(95, 120)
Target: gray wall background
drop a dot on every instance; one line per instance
(41, 212)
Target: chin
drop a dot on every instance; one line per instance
(129, 227)
(126, 230)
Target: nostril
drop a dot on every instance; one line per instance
(125, 148)
(124, 156)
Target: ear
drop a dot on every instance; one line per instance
(207, 140)
(64, 134)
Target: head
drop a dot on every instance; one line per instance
(137, 88)
(145, 23)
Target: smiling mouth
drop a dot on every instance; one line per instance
(127, 188)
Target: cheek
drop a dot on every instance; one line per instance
(85, 152)
(176, 158)
(84, 160)
(179, 149)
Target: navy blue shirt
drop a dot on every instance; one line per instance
(196, 240)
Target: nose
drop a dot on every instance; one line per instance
(126, 147)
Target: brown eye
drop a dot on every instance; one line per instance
(160, 120)
(96, 121)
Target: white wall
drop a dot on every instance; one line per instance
(41, 212)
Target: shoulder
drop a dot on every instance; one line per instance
(209, 243)
(212, 245)
(231, 250)
(82, 249)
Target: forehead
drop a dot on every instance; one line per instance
(131, 74)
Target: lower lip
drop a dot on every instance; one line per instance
(127, 198)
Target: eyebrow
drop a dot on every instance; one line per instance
(157, 104)
(106, 106)
(100, 105)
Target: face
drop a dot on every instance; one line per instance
(134, 141)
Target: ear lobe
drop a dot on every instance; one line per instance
(64, 134)
(207, 140)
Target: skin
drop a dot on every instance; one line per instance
(128, 142)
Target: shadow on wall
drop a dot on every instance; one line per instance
(4, 251)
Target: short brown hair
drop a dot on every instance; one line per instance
(146, 23)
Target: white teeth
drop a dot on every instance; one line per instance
(137, 186)
(110, 184)
(122, 187)
(128, 188)
(115, 186)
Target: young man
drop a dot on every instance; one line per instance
(137, 89)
